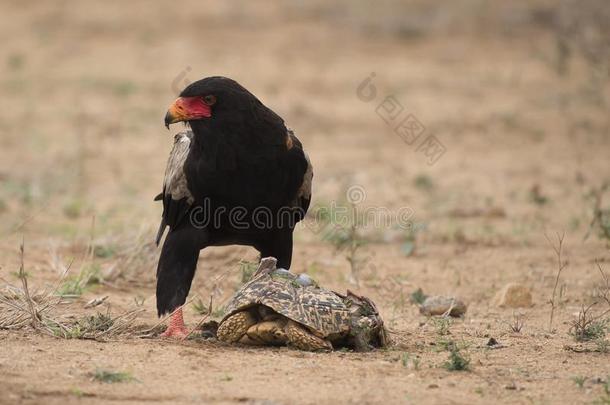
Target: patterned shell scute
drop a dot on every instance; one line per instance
(319, 309)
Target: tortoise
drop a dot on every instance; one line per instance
(277, 307)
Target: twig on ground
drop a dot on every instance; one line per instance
(560, 266)
(26, 292)
(202, 320)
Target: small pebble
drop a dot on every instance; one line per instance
(439, 305)
(492, 343)
(304, 280)
(514, 295)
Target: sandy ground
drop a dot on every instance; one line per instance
(85, 87)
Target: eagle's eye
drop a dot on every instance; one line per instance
(209, 99)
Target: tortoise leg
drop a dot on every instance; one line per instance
(268, 332)
(301, 338)
(235, 327)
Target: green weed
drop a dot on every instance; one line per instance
(457, 360)
(579, 380)
(74, 286)
(442, 326)
(111, 377)
(247, 269)
(423, 182)
(418, 297)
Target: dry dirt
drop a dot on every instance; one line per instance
(85, 86)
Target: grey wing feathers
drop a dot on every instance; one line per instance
(305, 189)
(175, 183)
(176, 196)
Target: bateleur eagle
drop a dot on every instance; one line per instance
(237, 176)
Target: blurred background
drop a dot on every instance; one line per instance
(510, 90)
(515, 94)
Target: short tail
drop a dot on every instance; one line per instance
(161, 230)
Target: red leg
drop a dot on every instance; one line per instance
(176, 328)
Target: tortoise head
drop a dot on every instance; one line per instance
(367, 330)
(266, 266)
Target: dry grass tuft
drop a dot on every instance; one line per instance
(517, 323)
(134, 259)
(21, 308)
(588, 326)
(99, 327)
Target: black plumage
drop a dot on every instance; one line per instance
(238, 176)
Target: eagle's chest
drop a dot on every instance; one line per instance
(231, 178)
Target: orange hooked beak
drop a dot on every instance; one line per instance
(187, 109)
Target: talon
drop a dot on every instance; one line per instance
(176, 328)
(180, 333)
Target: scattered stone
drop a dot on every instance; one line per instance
(492, 343)
(433, 386)
(514, 295)
(439, 305)
(304, 280)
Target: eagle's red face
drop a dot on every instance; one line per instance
(190, 108)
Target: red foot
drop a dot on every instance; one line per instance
(176, 328)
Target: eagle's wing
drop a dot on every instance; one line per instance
(303, 197)
(176, 196)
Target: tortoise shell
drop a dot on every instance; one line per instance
(323, 311)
